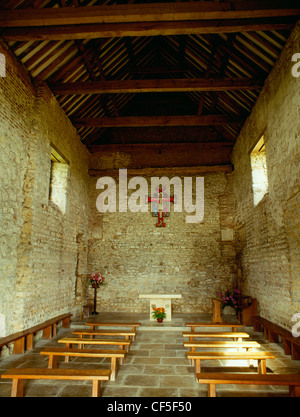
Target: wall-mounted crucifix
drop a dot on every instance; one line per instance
(160, 205)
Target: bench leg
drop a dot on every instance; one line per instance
(19, 345)
(295, 351)
(287, 347)
(294, 391)
(96, 388)
(113, 369)
(29, 342)
(66, 322)
(17, 387)
(261, 366)
(211, 391)
(47, 332)
(52, 362)
(197, 366)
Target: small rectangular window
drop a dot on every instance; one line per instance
(259, 171)
(58, 179)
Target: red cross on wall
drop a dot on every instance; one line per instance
(160, 206)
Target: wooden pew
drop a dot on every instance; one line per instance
(220, 344)
(259, 356)
(133, 325)
(233, 326)
(291, 344)
(290, 380)
(18, 375)
(53, 354)
(24, 340)
(69, 341)
(92, 333)
(233, 335)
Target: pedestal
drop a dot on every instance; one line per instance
(216, 318)
(95, 299)
(160, 300)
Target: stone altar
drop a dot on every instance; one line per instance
(161, 300)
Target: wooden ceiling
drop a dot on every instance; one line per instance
(129, 73)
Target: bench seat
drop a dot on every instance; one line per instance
(233, 326)
(250, 356)
(69, 341)
(232, 335)
(272, 332)
(24, 340)
(53, 354)
(92, 333)
(290, 380)
(94, 324)
(220, 344)
(18, 375)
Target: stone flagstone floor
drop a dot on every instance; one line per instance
(156, 365)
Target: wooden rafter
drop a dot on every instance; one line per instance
(145, 121)
(112, 30)
(160, 12)
(163, 85)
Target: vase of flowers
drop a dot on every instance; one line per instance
(96, 280)
(231, 298)
(159, 314)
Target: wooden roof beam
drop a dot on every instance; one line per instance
(112, 30)
(160, 12)
(146, 121)
(150, 86)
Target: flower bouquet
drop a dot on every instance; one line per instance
(96, 280)
(231, 298)
(159, 313)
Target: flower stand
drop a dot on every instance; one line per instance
(95, 286)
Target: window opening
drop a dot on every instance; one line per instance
(58, 179)
(259, 171)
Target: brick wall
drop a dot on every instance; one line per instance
(269, 233)
(43, 251)
(136, 257)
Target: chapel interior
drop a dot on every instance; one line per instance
(100, 97)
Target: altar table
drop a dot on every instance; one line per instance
(161, 300)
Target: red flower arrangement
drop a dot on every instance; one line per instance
(231, 298)
(96, 279)
(159, 313)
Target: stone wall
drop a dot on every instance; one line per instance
(136, 257)
(43, 250)
(269, 233)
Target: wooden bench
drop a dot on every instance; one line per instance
(18, 375)
(24, 340)
(290, 380)
(133, 325)
(69, 341)
(53, 354)
(220, 344)
(233, 326)
(250, 356)
(234, 335)
(92, 333)
(291, 344)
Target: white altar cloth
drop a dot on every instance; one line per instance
(161, 300)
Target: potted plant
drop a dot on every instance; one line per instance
(159, 313)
